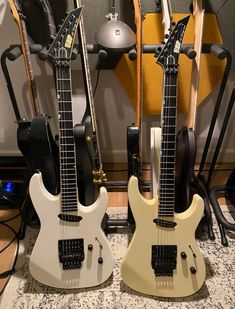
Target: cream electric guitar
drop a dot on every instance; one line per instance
(163, 258)
(71, 250)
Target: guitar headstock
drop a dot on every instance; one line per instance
(62, 46)
(168, 57)
(15, 9)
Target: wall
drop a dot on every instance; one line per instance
(114, 111)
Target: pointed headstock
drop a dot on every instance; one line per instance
(15, 9)
(62, 46)
(169, 56)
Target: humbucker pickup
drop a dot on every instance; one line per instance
(69, 218)
(164, 260)
(164, 223)
(71, 253)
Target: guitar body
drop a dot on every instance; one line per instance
(133, 151)
(44, 262)
(230, 188)
(133, 159)
(136, 270)
(86, 161)
(23, 132)
(45, 153)
(185, 160)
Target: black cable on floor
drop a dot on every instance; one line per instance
(7, 274)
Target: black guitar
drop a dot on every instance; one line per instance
(89, 163)
(186, 138)
(46, 13)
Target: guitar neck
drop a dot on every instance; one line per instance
(167, 17)
(168, 140)
(90, 109)
(19, 19)
(139, 67)
(199, 22)
(68, 175)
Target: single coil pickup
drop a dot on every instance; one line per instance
(164, 223)
(71, 253)
(69, 218)
(164, 260)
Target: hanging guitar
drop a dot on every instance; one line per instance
(186, 138)
(89, 162)
(163, 258)
(34, 137)
(71, 250)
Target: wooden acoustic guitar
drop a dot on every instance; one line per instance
(71, 250)
(163, 258)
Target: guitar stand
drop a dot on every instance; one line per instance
(203, 183)
(12, 53)
(221, 220)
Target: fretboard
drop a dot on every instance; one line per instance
(68, 176)
(168, 140)
(29, 69)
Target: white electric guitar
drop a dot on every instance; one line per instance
(163, 258)
(71, 250)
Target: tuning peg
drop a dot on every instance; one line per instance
(52, 37)
(157, 51)
(166, 36)
(173, 23)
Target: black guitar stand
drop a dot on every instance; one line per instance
(200, 181)
(23, 200)
(222, 221)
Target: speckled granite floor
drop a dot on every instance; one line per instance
(23, 292)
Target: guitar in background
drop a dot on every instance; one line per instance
(186, 137)
(34, 137)
(163, 258)
(89, 161)
(71, 250)
(134, 134)
(155, 138)
(39, 12)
